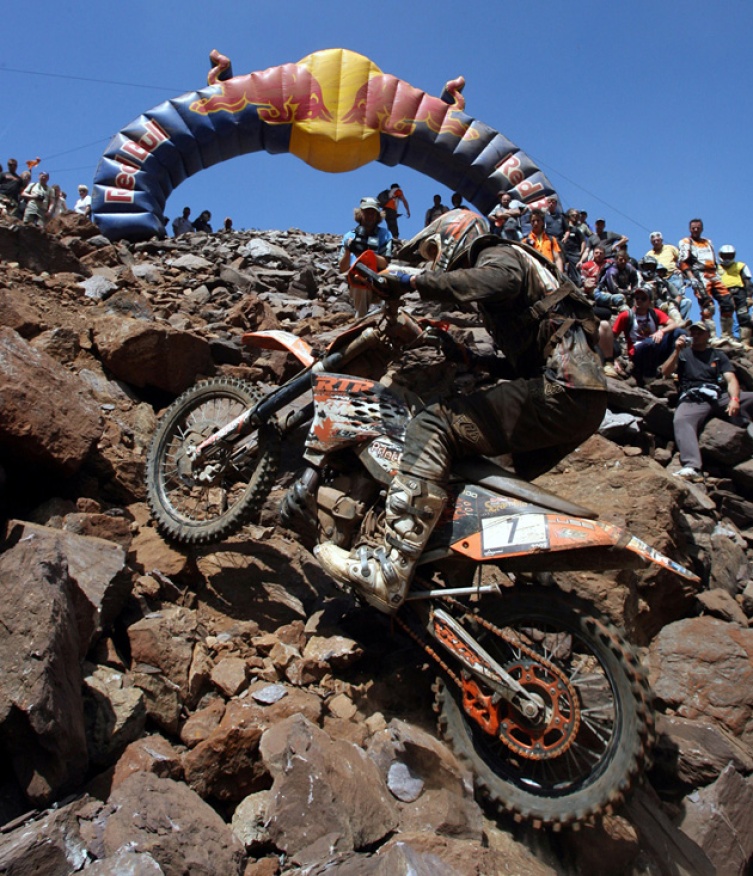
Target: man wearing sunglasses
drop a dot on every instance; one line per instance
(649, 336)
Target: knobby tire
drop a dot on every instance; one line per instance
(187, 511)
(524, 787)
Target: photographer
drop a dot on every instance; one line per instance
(708, 388)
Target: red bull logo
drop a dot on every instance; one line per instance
(338, 104)
(284, 94)
(392, 106)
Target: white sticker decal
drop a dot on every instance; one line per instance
(502, 535)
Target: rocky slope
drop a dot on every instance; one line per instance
(228, 711)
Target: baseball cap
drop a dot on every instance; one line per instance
(369, 204)
(699, 325)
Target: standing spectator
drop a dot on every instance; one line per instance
(667, 255)
(202, 223)
(457, 201)
(649, 335)
(611, 239)
(38, 197)
(227, 225)
(388, 200)
(58, 204)
(542, 242)
(574, 246)
(369, 233)
(698, 264)
(555, 223)
(84, 203)
(736, 277)
(505, 217)
(584, 226)
(10, 188)
(182, 224)
(22, 198)
(436, 210)
(708, 388)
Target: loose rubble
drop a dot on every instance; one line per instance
(229, 711)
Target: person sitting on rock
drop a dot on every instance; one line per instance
(649, 337)
(708, 388)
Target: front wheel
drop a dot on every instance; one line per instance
(579, 761)
(206, 501)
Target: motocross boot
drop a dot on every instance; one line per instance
(382, 576)
(746, 335)
(727, 331)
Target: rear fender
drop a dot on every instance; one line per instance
(486, 526)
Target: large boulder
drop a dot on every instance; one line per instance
(147, 354)
(49, 418)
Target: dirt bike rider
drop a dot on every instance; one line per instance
(547, 331)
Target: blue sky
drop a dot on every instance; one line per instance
(637, 112)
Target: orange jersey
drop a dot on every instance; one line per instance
(545, 244)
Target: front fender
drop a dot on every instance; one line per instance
(275, 339)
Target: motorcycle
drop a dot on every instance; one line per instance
(536, 690)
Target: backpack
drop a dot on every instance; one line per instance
(383, 197)
(553, 324)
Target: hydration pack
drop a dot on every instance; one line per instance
(363, 241)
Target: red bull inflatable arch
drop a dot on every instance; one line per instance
(334, 109)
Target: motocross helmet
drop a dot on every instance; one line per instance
(727, 253)
(445, 241)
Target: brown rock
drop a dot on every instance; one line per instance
(225, 765)
(694, 753)
(171, 823)
(230, 675)
(201, 724)
(48, 419)
(702, 668)
(150, 354)
(41, 707)
(152, 754)
(311, 772)
(165, 640)
(720, 819)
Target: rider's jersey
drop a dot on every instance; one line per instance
(505, 282)
(699, 256)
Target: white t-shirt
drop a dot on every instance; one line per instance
(82, 204)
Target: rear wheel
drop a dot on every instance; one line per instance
(207, 501)
(580, 761)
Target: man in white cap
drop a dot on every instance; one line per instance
(369, 233)
(708, 388)
(84, 203)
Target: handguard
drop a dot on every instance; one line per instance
(363, 274)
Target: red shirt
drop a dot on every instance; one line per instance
(637, 329)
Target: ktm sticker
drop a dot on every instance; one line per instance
(502, 535)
